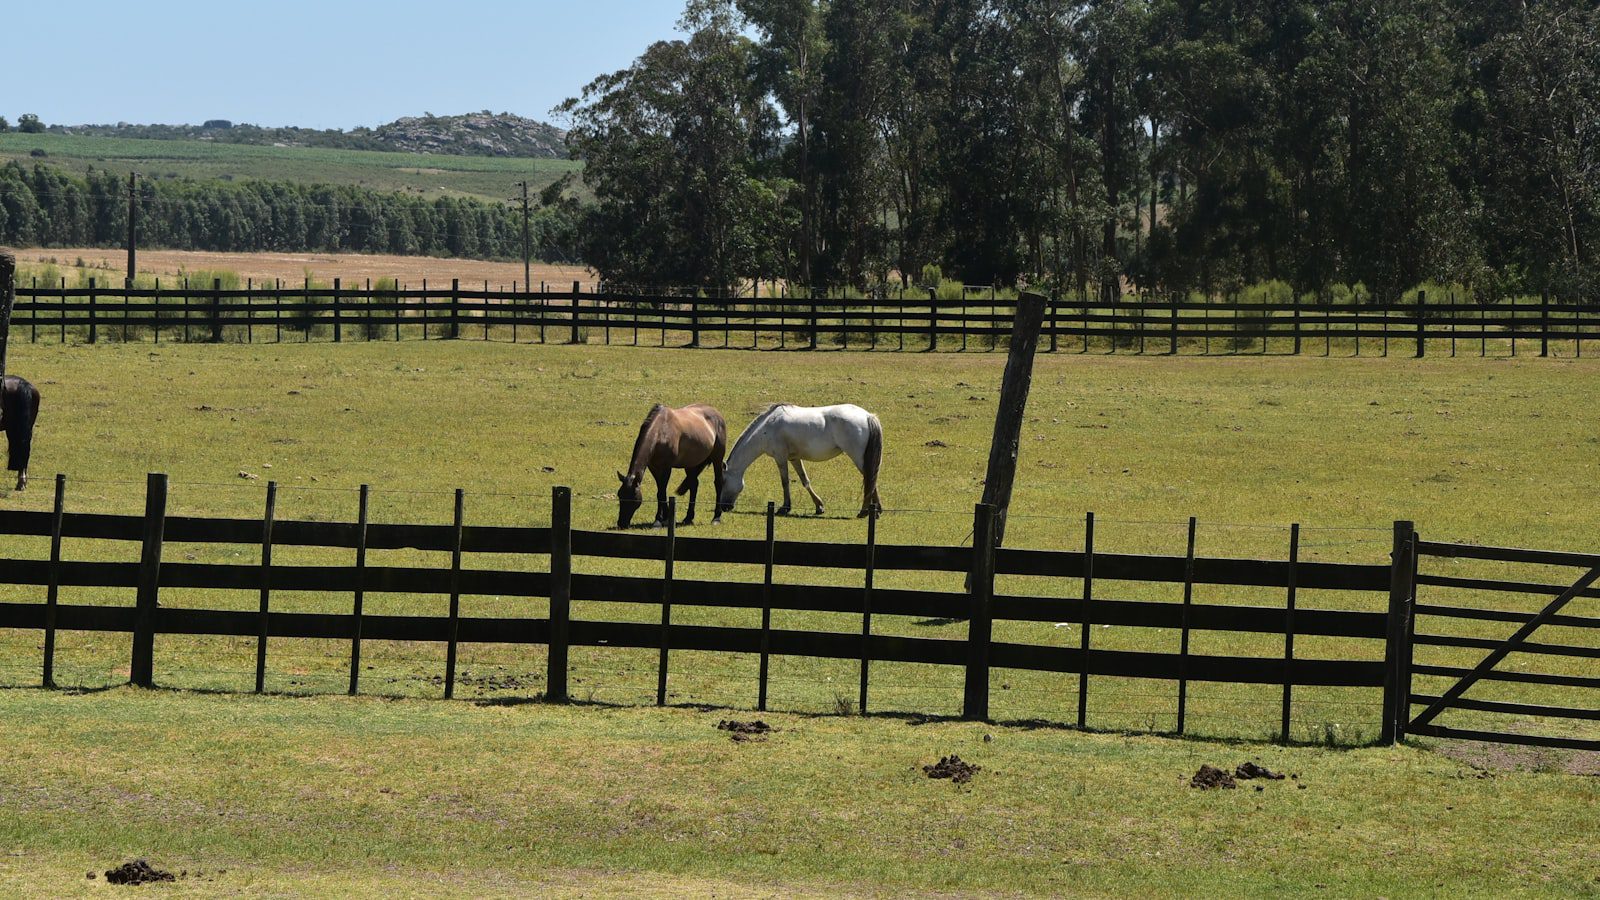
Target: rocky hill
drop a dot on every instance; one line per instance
(473, 134)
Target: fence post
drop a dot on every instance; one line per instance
(694, 319)
(1083, 617)
(1288, 632)
(216, 310)
(866, 604)
(555, 690)
(1422, 340)
(455, 310)
(975, 704)
(666, 601)
(1544, 322)
(574, 338)
(1055, 303)
(933, 320)
(1295, 298)
(1183, 646)
(360, 594)
(141, 668)
(1174, 350)
(266, 585)
(94, 327)
(53, 590)
(1397, 647)
(455, 599)
(766, 613)
(338, 326)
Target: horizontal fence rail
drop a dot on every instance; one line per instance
(977, 320)
(30, 585)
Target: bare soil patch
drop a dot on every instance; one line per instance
(1488, 757)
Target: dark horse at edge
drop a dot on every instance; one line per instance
(688, 438)
(19, 409)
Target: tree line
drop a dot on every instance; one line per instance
(1170, 145)
(45, 205)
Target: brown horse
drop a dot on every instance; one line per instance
(689, 438)
(19, 409)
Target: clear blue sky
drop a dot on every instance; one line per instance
(327, 64)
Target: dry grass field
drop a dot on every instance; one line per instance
(293, 267)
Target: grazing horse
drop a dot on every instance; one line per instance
(794, 435)
(19, 409)
(689, 438)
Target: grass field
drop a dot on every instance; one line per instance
(501, 797)
(484, 177)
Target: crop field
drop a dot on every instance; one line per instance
(1488, 451)
(487, 178)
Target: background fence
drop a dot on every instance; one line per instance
(976, 321)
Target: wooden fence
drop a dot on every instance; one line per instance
(978, 320)
(557, 546)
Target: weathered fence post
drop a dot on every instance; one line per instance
(53, 589)
(560, 593)
(1006, 441)
(1397, 645)
(216, 310)
(980, 591)
(574, 338)
(360, 593)
(141, 668)
(1422, 338)
(338, 325)
(94, 319)
(8, 299)
(266, 585)
(455, 599)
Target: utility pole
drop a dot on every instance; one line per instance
(527, 247)
(133, 224)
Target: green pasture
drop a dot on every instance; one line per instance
(329, 796)
(484, 177)
(492, 795)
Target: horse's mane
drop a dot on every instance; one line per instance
(761, 418)
(644, 429)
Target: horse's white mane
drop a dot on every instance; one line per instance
(755, 425)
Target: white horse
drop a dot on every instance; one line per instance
(795, 435)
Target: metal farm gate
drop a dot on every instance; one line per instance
(1517, 629)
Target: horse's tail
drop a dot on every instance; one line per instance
(872, 457)
(22, 410)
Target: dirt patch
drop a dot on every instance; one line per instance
(739, 732)
(1210, 776)
(1490, 757)
(952, 767)
(137, 872)
(1249, 770)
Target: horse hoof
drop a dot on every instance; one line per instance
(783, 510)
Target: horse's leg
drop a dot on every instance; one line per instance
(805, 482)
(691, 480)
(869, 494)
(661, 497)
(783, 475)
(718, 470)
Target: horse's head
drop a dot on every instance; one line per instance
(629, 498)
(732, 485)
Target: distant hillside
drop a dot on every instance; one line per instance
(474, 134)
